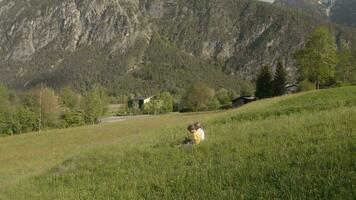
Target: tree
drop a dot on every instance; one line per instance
(280, 80)
(264, 83)
(198, 96)
(5, 112)
(49, 108)
(72, 118)
(214, 104)
(224, 97)
(161, 103)
(26, 120)
(94, 105)
(167, 102)
(69, 98)
(72, 113)
(318, 59)
(153, 107)
(346, 71)
(247, 88)
(29, 103)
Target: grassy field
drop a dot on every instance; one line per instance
(293, 147)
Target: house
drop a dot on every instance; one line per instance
(139, 102)
(242, 100)
(291, 88)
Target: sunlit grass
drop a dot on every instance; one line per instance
(26, 155)
(292, 147)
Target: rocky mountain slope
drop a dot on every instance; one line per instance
(344, 12)
(339, 11)
(143, 46)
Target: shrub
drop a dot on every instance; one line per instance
(306, 85)
(72, 118)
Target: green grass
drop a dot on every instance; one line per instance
(293, 147)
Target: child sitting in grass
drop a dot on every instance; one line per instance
(194, 137)
(199, 128)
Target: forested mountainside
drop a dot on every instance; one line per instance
(143, 46)
(338, 11)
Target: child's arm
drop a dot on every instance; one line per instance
(196, 137)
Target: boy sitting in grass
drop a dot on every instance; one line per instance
(194, 137)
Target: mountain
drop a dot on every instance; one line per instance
(339, 11)
(344, 12)
(141, 46)
(309, 6)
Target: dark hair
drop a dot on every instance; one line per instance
(191, 127)
(197, 125)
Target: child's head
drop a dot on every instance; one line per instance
(191, 128)
(197, 125)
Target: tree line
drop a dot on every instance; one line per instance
(198, 97)
(44, 108)
(320, 63)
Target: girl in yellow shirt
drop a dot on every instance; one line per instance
(195, 136)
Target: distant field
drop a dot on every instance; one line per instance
(293, 147)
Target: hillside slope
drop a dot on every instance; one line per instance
(344, 12)
(143, 46)
(338, 11)
(291, 147)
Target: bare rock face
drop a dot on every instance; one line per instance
(109, 41)
(338, 11)
(26, 27)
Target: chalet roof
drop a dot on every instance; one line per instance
(141, 98)
(290, 85)
(244, 97)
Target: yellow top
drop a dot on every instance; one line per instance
(196, 137)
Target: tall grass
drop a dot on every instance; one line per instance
(28, 155)
(304, 148)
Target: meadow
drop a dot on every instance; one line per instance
(292, 147)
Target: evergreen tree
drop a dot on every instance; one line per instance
(318, 59)
(280, 80)
(264, 83)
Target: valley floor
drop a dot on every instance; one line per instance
(293, 147)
